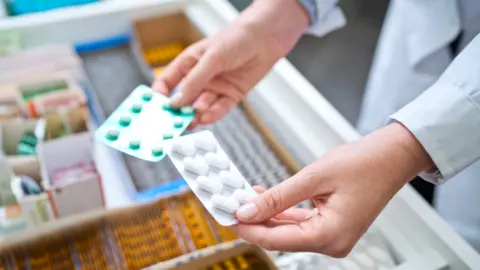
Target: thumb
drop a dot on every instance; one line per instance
(196, 80)
(274, 201)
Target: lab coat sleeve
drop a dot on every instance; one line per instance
(446, 118)
(325, 16)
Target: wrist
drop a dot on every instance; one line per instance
(280, 22)
(407, 155)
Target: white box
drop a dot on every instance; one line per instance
(85, 193)
(7, 197)
(36, 209)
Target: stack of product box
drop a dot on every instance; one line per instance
(47, 169)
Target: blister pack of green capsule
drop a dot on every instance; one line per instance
(142, 124)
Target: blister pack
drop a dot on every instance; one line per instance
(211, 175)
(142, 123)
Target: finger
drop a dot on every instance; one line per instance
(278, 199)
(174, 73)
(259, 189)
(218, 110)
(299, 237)
(193, 124)
(179, 68)
(205, 100)
(296, 214)
(222, 86)
(197, 79)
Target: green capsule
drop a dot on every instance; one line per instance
(178, 122)
(112, 134)
(187, 110)
(125, 121)
(147, 96)
(167, 135)
(157, 151)
(134, 144)
(166, 106)
(136, 108)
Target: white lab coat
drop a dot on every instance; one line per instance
(412, 52)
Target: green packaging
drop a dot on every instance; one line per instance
(142, 123)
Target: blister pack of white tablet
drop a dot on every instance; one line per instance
(211, 175)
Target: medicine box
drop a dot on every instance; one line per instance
(6, 175)
(152, 50)
(11, 219)
(44, 93)
(19, 138)
(40, 61)
(65, 122)
(69, 175)
(36, 209)
(9, 106)
(9, 109)
(27, 166)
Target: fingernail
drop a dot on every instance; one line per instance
(247, 211)
(199, 106)
(176, 99)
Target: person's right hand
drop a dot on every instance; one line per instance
(214, 74)
(349, 185)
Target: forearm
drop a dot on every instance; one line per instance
(391, 154)
(400, 155)
(281, 21)
(446, 118)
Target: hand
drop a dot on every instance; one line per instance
(216, 73)
(349, 185)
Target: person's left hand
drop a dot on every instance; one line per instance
(349, 185)
(216, 73)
